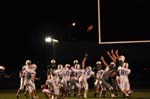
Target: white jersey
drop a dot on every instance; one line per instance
(76, 73)
(123, 71)
(66, 74)
(87, 73)
(54, 85)
(29, 73)
(22, 76)
(58, 73)
(99, 74)
(124, 80)
(28, 81)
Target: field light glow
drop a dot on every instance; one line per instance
(73, 24)
(48, 39)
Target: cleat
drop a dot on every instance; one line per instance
(35, 97)
(25, 94)
(79, 96)
(17, 96)
(96, 95)
(102, 96)
(75, 95)
(113, 96)
(117, 95)
(130, 93)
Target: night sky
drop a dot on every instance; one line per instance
(24, 25)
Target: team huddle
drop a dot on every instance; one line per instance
(63, 81)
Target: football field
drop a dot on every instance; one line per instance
(137, 94)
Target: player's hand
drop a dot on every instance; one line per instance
(86, 55)
(116, 52)
(112, 51)
(102, 58)
(37, 78)
(108, 53)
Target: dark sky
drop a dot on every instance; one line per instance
(24, 25)
(42, 18)
(22, 20)
(127, 19)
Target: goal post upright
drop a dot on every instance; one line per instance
(99, 22)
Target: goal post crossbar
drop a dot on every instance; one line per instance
(123, 42)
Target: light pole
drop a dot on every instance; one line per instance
(53, 41)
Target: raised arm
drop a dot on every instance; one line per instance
(103, 61)
(84, 60)
(117, 55)
(111, 56)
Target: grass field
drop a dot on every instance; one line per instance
(137, 94)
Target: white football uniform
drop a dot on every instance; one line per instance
(66, 73)
(99, 76)
(86, 74)
(29, 73)
(54, 85)
(22, 75)
(58, 74)
(124, 80)
(76, 73)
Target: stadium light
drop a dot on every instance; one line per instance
(48, 39)
(53, 41)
